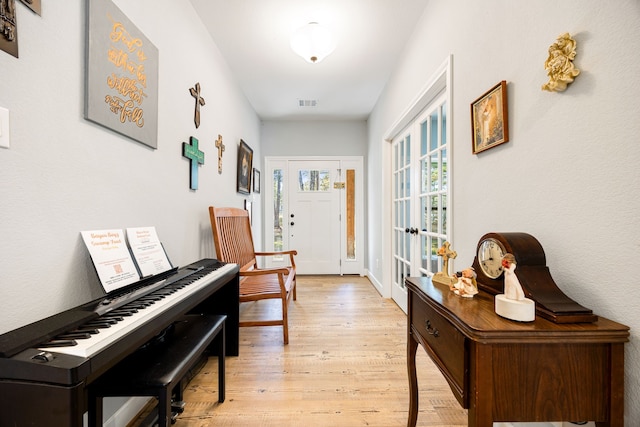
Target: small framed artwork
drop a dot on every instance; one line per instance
(245, 162)
(34, 5)
(489, 119)
(247, 207)
(8, 27)
(256, 181)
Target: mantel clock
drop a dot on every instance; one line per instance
(532, 272)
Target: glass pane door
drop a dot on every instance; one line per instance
(421, 171)
(434, 188)
(402, 218)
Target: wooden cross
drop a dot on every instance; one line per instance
(220, 147)
(193, 153)
(195, 92)
(445, 252)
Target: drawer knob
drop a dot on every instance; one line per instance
(431, 330)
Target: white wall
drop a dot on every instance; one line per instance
(314, 138)
(569, 174)
(64, 174)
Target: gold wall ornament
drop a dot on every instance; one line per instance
(559, 64)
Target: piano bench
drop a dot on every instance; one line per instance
(158, 368)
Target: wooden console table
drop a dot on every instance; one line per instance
(502, 370)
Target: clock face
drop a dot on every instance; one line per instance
(490, 254)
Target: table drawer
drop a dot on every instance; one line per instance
(446, 346)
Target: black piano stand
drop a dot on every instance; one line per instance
(158, 369)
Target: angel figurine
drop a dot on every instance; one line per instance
(559, 65)
(513, 304)
(512, 287)
(466, 286)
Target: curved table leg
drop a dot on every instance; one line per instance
(412, 346)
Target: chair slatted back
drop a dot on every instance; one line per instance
(232, 236)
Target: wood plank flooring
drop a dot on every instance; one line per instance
(345, 365)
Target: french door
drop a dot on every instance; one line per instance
(421, 202)
(315, 206)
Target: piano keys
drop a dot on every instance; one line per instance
(119, 321)
(45, 366)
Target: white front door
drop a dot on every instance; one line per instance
(314, 215)
(315, 205)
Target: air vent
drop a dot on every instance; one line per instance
(307, 102)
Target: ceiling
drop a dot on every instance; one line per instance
(253, 36)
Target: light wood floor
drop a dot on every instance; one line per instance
(345, 365)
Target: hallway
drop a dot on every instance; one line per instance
(345, 365)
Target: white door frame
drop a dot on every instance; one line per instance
(348, 266)
(440, 81)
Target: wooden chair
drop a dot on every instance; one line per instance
(234, 244)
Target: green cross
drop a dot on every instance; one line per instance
(191, 152)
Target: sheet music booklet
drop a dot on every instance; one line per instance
(123, 259)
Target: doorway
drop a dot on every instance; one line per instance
(420, 175)
(315, 206)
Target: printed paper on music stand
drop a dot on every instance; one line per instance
(147, 250)
(111, 258)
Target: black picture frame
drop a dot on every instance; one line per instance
(256, 181)
(248, 207)
(245, 166)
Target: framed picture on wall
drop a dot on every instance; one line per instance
(247, 207)
(245, 162)
(8, 27)
(489, 119)
(256, 181)
(34, 5)
(121, 88)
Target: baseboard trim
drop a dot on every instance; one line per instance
(374, 282)
(128, 412)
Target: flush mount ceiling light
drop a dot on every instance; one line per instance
(313, 42)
